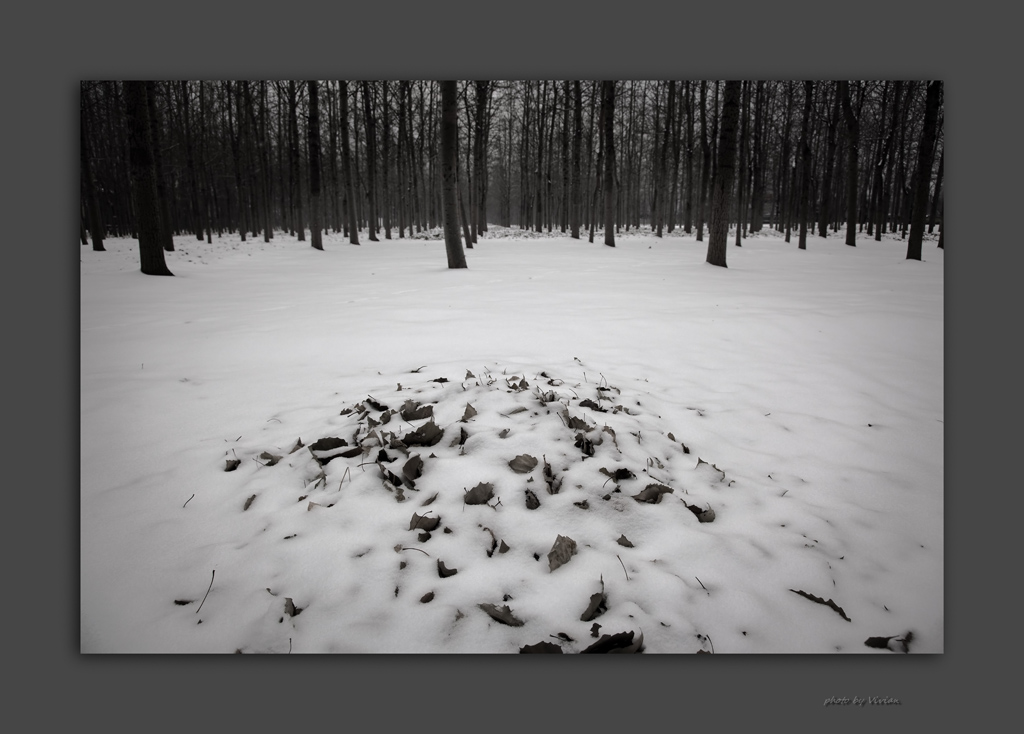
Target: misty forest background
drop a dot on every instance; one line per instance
(370, 160)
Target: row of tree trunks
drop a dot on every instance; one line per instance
(253, 156)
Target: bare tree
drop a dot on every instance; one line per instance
(449, 151)
(718, 230)
(608, 129)
(925, 158)
(313, 135)
(147, 211)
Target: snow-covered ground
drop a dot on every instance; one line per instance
(797, 394)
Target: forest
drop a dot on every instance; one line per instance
(678, 389)
(368, 159)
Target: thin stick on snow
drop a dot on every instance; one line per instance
(212, 574)
(623, 567)
(189, 499)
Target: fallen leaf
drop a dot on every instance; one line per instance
(532, 503)
(443, 571)
(426, 435)
(248, 503)
(413, 468)
(652, 493)
(624, 542)
(617, 643)
(827, 602)
(549, 478)
(598, 606)
(422, 522)
(502, 614)
(563, 549)
(469, 413)
(480, 494)
(523, 464)
(703, 515)
(413, 411)
(232, 464)
(542, 647)
(270, 458)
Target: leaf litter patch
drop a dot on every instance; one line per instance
(559, 437)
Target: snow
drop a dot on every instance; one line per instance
(811, 380)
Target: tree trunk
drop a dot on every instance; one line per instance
(924, 169)
(830, 160)
(718, 231)
(577, 135)
(483, 95)
(346, 164)
(608, 128)
(937, 197)
(449, 151)
(853, 152)
(371, 163)
(805, 158)
(293, 125)
(705, 163)
(313, 134)
(147, 212)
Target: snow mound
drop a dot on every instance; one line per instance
(494, 512)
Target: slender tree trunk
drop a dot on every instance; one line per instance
(718, 231)
(371, 162)
(937, 197)
(608, 127)
(450, 183)
(577, 134)
(346, 164)
(805, 158)
(385, 150)
(293, 126)
(926, 150)
(853, 152)
(660, 198)
(151, 252)
(741, 188)
(705, 163)
(830, 160)
(483, 95)
(313, 135)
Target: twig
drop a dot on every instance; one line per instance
(212, 574)
(712, 644)
(273, 419)
(623, 566)
(189, 499)
(289, 645)
(701, 584)
(346, 474)
(416, 549)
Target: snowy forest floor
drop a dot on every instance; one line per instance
(797, 395)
